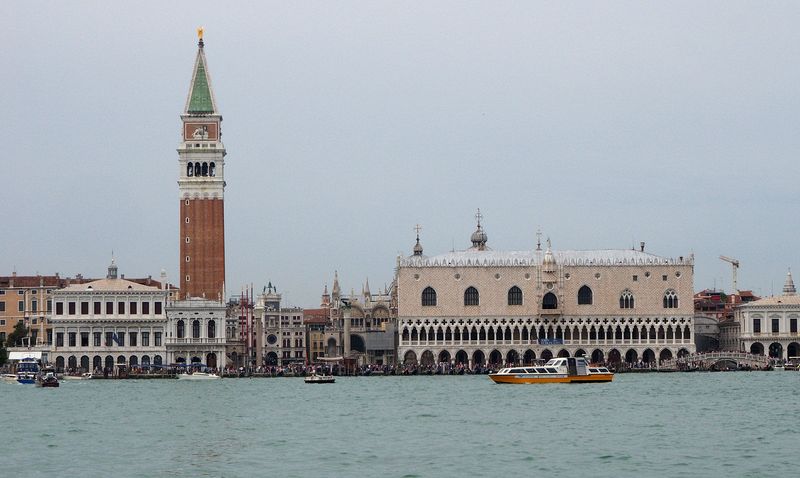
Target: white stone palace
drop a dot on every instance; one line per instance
(481, 306)
(769, 325)
(107, 323)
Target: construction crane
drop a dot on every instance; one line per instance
(735, 266)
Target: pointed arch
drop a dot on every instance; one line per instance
(670, 299)
(428, 297)
(626, 300)
(471, 296)
(585, 295)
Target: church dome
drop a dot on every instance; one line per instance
(479, 238)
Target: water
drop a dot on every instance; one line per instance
(705, 424)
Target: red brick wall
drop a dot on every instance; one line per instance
(206, 248)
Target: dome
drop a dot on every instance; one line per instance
(479, 238)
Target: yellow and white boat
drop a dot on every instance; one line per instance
(557, 370)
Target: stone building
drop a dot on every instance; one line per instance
(479, 305)
(769, 325)
(284, 333)
(107, 323)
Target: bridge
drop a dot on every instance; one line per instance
(710, 360)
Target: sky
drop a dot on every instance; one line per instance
(346, 123)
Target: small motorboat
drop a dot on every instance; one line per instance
(47, 380)
(316, 378)
(83, 376)
(8, 377)
(557, 370)
(199, 376)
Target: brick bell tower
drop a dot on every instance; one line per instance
(201, 158)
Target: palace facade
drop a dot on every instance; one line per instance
(480, 306)
(769, 325)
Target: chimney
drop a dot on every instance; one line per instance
(641, 246)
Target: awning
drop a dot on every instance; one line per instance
(13, 355)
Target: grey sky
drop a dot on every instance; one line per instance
(605, 123)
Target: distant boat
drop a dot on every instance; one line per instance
(199, 376)
(557, 370)
(83, 376)
(47, 380)
(314, 378)
(27, 370)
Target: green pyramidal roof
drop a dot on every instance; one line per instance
(200, 99)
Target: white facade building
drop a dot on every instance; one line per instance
(196, 332)
(106, 323)
(769, 325)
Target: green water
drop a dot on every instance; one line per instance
(701, 424)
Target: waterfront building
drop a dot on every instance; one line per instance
(769, 325)
(316, 322)
(196, 332)
(28, 299)
(283, 340)
(479, 306)
(106, 323)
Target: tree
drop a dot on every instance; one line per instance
(3, 353)
(20, 332)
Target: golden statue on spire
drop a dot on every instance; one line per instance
(200, 33)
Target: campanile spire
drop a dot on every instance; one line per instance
(201, 185)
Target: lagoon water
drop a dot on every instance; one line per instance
(703, 424)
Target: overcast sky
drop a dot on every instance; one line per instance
(346, 123)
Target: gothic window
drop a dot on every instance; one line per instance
(196, 329)
(212, 332)
(212, 169)
(514, 296)
(670, 299)
(549, 301)
(584, 295)
(626, 300)
(197, 171)
(189, 170)
(181, 329)
(205, 169)
(428, 296)
(471, 296)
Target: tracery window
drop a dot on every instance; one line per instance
(585, 295)
(670, 299)
(471, 296)
(626, 300)
(515, 296)
(428, 296)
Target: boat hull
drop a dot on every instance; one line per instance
(198, 377)
(593, 378)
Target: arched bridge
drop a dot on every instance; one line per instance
(707, 360)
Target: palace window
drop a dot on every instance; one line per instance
(756, 326)
(157, 343)
(776, 326)
(670, 299)
(549, 301)
(98, 308)
(145, 308)
(626, 300)
(59, 339)
(84, 339)
(157, 307)
(96, 336)
(145, 339)
(212, 329)
(471, 296)
(428, 297)
(72, 340)
(71, 308)
(133, 308)
(585, 295)
(515, 296)
(132, 339)
(793, 326)
(196, 329)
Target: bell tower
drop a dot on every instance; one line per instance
(201, 183)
